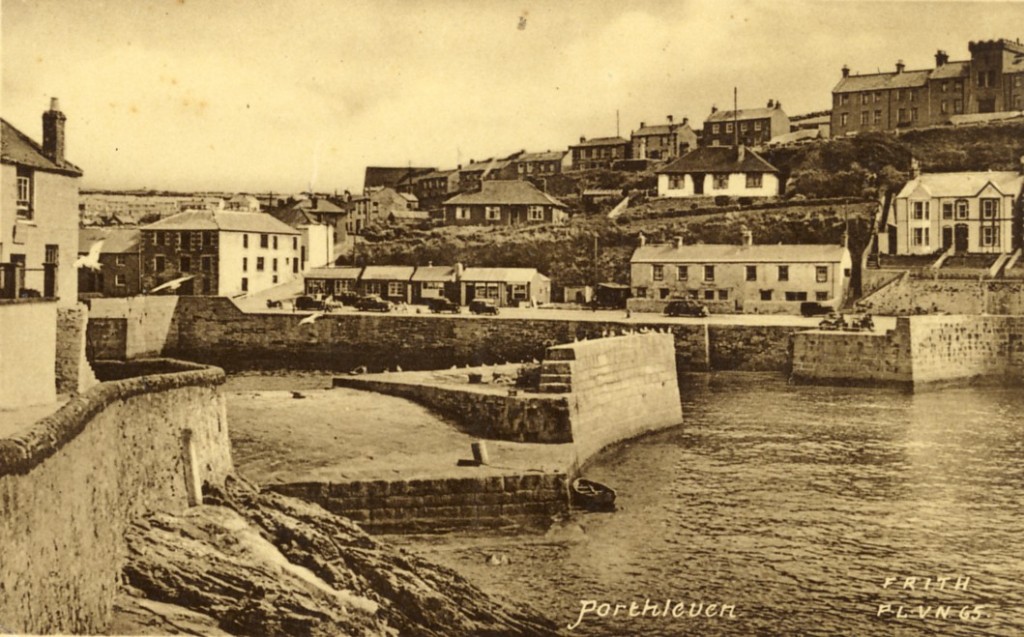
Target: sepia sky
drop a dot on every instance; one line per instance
(258, 95)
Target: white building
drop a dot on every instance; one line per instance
(719, 170)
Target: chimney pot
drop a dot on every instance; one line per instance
(714, 109)
(846, 71)
(900, 66)
(583, 138)
(941, 57)
(641, 239)
(678, 242)
(686, 120)
(642, 125)
(771, 103)
(748, 236)
(53, 132)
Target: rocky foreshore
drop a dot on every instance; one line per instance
(252, 563)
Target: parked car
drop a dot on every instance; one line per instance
(346, 298)
(833, 322)
(309, 303)
(443, 305)
(483, 306)
(813, 308)
(685, 307)
(373, 303)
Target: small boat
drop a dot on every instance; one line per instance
(592, 496)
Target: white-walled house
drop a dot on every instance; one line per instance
(227, 253)
(968, 211)
(719, 170)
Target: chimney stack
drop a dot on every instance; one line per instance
(459, 271)
(583, 138)
(900, 66)
(642, 125)
(641, 240)
(714, 109)
(748, 236)
(941, 57)
(846, 71)
(53, 132)
(771, 103)
(915, 168)
(686, 121)
(670, 118)
(678, 241)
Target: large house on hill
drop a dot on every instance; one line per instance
(507, 202)
(747, 127)
(968, 211)
(663, 141)
(719, 170)
(223, 253)
(600, 152)
(991, 81)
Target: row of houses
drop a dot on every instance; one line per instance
(421, 284)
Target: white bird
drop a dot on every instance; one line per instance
(173, 284)
(311, 318)
(91, 260)
(398, 368)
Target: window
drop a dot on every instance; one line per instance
(766, 295)
(675, 182)
(899, 95)
(245, 264)
(641, 293)
(743, 127)
(751, 272)
(245, 241)
(207, 264)
(395, 288)
(720, 182)
(264, 241)
(51, 254)
(796, 296)
(947, 209)
(958, 85)
(865, 98)
(493, 213)
(295, 243)
(536, 213)
(728, 127)
(519, 292)
(183, 240)
(273, 279)
(821, 296)
(709, 295)
(990, 236)
(878, 97)
(120, 280)
(709, 273)
(961, 208)
(865, 118)
(920, 237)
(821, 273)
(958, 106)
(844, 119)
(783, 272)
(912, 96)
(273, 265)
(259, 264)
(161, 238)
(757, 125)
(24, 193)
(920, 209)
(945, 87)
(120, 260)
(723, 295)
(901, 115)
(658, 273)
(944, 106)
(844, 99)
(714, 129)
(207, 286)
(682, 272)
(913, 114)
(989, 208)
(245, 284)
(197, 238)
(754, 180)
(186, 264)
(275, 242)
(878, 117)
(159, 264)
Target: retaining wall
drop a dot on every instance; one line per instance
(73, 373)
(70, 484)
(133, 327)
(973, 295)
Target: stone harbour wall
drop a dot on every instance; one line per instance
(909, 295)
(70, 484)
(132, 327)
(834, 357)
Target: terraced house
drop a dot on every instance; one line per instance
(991, 81)
(663, 141)
(600, 152)
(747, 127)
(505, 202)
(222, 253)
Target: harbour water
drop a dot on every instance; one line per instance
(795, 510)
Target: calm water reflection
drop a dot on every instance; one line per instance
(794, 504)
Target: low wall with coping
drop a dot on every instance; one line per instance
(70, 483)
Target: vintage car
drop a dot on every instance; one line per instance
(813, 308)
(373, 303)
(483, 306)
(443, 304)
(685, 307)
(306, 302)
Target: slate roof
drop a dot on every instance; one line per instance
(506, 192)
(387, 176)
(742, 114)
(434, 273)
(719, 159)
(333, 273)
(293, 216)
(601, 141)
(952, 70)
(550, 155)
(500, 275)
(115, 240)
(18, 148)
(227, 220)
(387, 273)
(729, 253)
(412, 215)
(964, 184)
(882, 81)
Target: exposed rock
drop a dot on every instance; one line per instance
(267, 564)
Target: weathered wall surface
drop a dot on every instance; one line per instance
(74, 375)
(28, 342)
(482, 413)
(854, 357)
(384, 505)
(620, 387)
(70, 484)
(908, 295)
(132, 327)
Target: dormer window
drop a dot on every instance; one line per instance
(24, 193)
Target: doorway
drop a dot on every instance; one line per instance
(698, 184)
(947, 238)
(961, 235)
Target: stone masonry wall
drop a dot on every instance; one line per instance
(133, 327)
(215, 331)
(70, 484)
(485, 414)
(956, 347)
(72, 367)
(854, 357)
(952, 296)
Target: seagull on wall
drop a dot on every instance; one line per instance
(309, 320)
(173, 284)
(91, 260)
